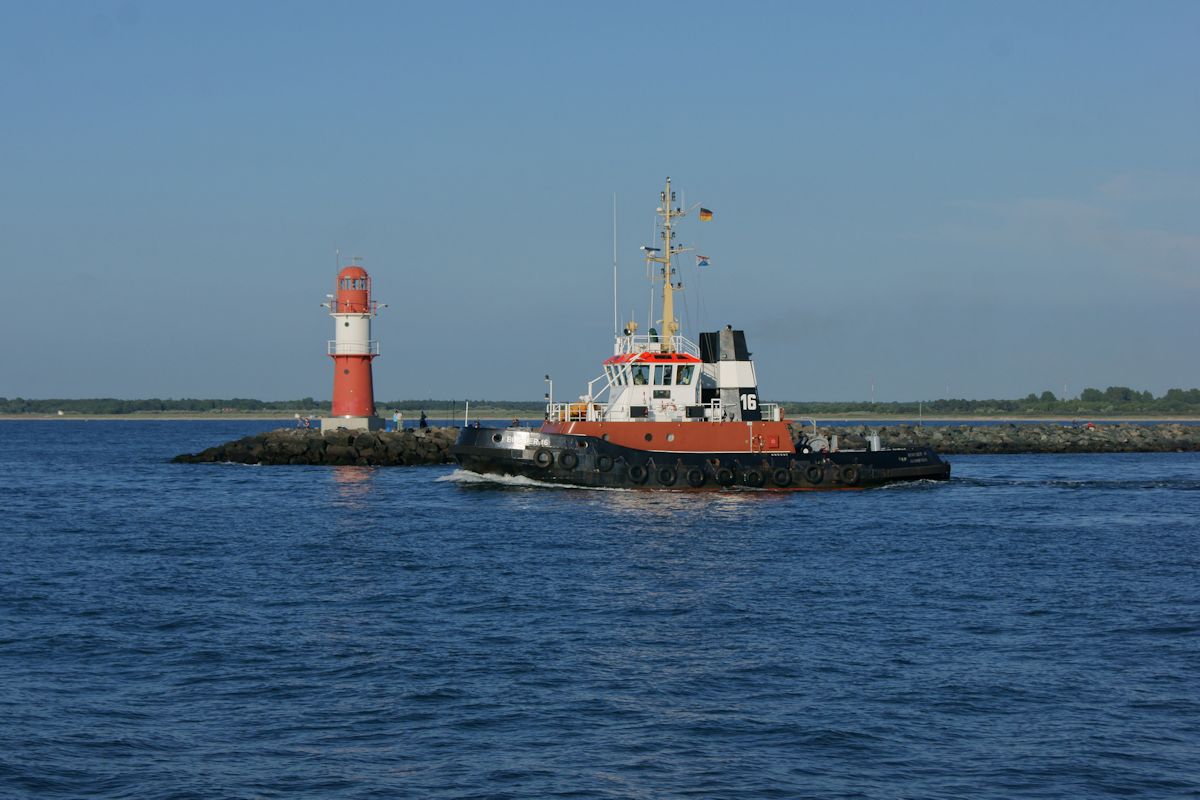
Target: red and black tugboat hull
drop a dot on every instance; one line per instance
(592, 462)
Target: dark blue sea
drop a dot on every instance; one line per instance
(1030, 629)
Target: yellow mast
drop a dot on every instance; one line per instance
(670, 326)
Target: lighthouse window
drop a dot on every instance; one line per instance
(683, 375)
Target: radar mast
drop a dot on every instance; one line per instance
(668, 211)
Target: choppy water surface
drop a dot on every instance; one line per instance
(1031, 629)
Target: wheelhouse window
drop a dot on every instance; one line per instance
(641, 374)
(683, 375)
(662, 374)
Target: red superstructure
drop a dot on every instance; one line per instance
(672, 396)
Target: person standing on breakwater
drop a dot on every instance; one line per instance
(398, 420)
(424, 424)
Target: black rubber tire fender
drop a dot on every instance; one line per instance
(724, 476)
(667, 476)
(696, 477)
(849, 475)
(753, 477)
(543, 458)
(637, 474)
(604, 463)
(782, 476)
(568, 460)
(814, 474)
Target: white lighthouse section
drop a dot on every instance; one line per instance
(352, 336)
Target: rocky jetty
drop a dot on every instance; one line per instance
(360, 448)
(432, 445)
(1026, 438)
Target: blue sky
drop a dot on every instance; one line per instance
(963, 199)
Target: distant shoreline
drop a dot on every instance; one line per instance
(501, 417)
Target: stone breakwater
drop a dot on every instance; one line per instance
(1026, 438)
(432, 445)
(302, 446)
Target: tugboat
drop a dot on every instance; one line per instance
(668, 413)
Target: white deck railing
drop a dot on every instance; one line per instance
(646, 343)
(576, 412)
(714, 411)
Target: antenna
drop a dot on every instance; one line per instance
(616, 320)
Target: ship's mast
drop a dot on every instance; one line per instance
(670, 326)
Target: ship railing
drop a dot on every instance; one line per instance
(716, 411)
(799, 423)
(336, 348)
(653, 343)
(576, 412)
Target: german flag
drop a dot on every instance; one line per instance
(705, 215)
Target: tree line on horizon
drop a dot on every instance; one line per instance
(1113, 400)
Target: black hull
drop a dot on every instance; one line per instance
(591, 462)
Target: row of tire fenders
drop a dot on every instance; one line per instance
(696, 477)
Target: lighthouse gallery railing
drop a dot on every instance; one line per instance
(371, 348)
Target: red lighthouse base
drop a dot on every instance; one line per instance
(353, 390)
(353, 395)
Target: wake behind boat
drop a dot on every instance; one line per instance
(670, 413)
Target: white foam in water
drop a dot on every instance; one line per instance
(467, 478)
(917, 484)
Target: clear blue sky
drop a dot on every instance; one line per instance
(973, 199)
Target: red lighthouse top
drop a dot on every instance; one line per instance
(353, 291)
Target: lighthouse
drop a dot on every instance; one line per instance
(352, 350)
